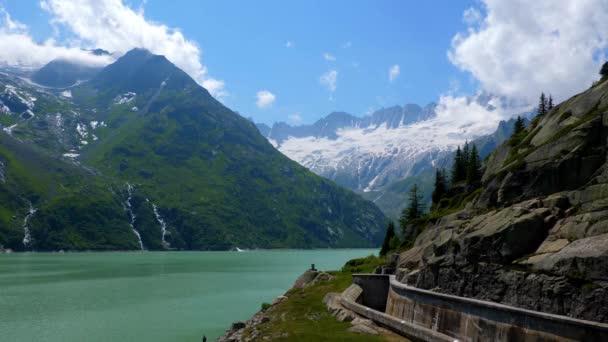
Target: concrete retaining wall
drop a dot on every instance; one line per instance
(469, 319)
(376, 290)
(352, 295)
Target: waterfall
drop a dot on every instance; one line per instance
(27, 238)
(132, 215)
(163, 226)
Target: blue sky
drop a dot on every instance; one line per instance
(244, 43)
(288, 60)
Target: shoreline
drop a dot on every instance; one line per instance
(8, 251)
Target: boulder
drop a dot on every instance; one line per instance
(585, 258)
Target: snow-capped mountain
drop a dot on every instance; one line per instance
(370, 154)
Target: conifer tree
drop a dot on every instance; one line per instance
(550, 103)
(542, 104)
(474, 167)
(604, 70)
(519, 126)
(457, 166)
(466, 153)
(415, 207)
(390, 234)
(441, 186)
(461, 161)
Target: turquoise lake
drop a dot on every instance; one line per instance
(145, 296)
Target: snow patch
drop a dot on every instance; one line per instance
(125, 98)
(82, 130)
(71, 155)
(9, 129)
(4, 108)
(95, 124)
(22, 96)
(66, 93)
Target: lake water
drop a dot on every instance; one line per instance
(144, 296)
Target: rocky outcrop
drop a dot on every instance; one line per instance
(537, 234)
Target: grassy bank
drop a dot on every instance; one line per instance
(304, 317)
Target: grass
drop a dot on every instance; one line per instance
(304, 316)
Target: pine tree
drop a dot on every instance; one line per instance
(441, 186)
(466, 153)
(550, 103)
(604, 70)
(519, 126)
(461, 161)
(474, 167)
(415, 207)
(457, 166)
(390, 234)
(542, 104)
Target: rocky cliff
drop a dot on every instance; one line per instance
(536, 233)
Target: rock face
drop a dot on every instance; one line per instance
(536, 236)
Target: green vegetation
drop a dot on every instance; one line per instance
(216, 182)
(441, 186)
(389, 237)
(604, 70)
(304, 316)
(447, 198)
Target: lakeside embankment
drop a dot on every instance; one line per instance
(301, 311)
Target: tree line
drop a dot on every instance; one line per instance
(466, 171)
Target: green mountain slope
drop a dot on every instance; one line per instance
(186, 171)
(49, 204)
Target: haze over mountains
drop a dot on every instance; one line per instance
(141, 156)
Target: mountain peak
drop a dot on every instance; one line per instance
(139, 70)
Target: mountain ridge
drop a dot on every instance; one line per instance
(170, 152)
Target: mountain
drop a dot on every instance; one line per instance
(177, 169)
(393, 198)
(61, 73)
(381, 155)
(534, 234)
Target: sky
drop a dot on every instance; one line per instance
(298, 61)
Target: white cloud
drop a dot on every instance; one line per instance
(295, 118)
(289, 44)
(555, 46)
(265, 99)
(329, 57)
(393, 72)
(471, 16)
(329, 80)
(111, 25)
(17, 47)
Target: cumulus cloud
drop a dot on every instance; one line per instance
(555, 46)
(265, 99)
(329, 80)
(295, 118)
(114, 26)
(18, 48)
(106, 24)
(471, 16)
(393, 72)
(329, 57)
